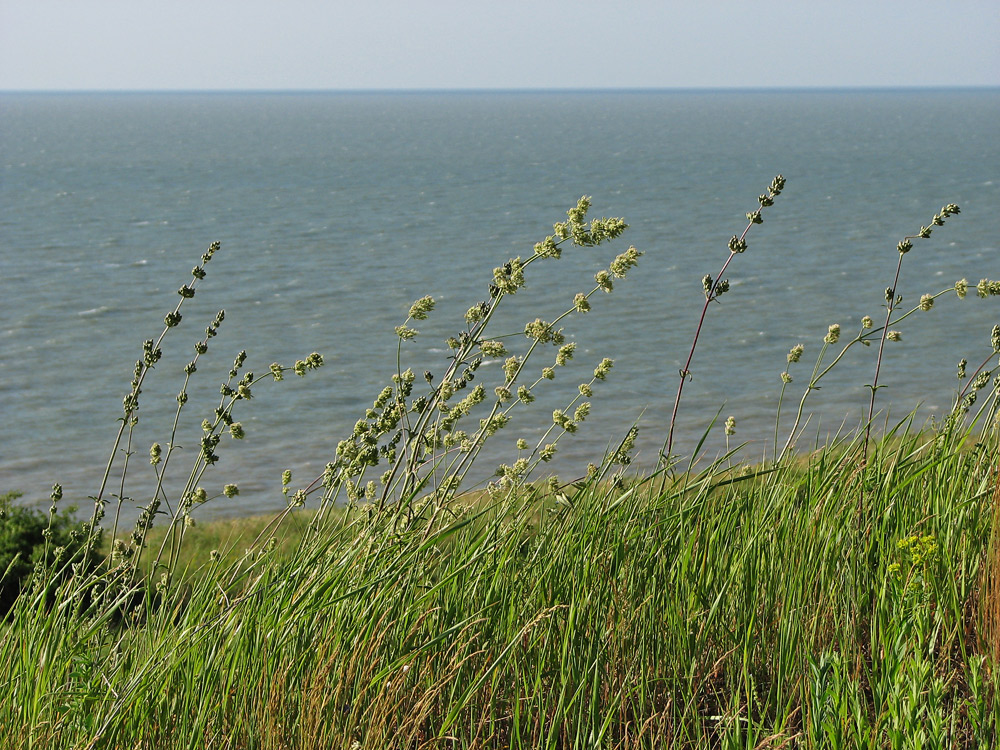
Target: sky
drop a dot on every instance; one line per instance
(501, 44)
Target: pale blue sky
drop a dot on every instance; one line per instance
(408, 44)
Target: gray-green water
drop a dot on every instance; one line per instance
(335, 211)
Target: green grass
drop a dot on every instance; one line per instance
(724, 609)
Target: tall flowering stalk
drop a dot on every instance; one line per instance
(419, 435)
(237, 388)
(151, 353)
(865, 336)
(715, 288)
(892, 300)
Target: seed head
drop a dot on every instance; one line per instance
(833, 334)
(620, 265)
(493, 349)
(737, 245)
(420, 308)
(987, 288)
(603, 279)
(565, 353)
(602, 370)
(538, 330)
(511, 367)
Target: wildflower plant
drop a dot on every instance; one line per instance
(713, 288)
(869, 332)
(423, 434)
(892, 299)
(114, 485)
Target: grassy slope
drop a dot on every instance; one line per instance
(708, 612)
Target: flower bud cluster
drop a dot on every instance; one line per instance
(925, 232)
(477, 312)
(511, 367)
(599, 230)
(150, 354)
(730, 426)
(987, 288)
(213, 329)
(623, 456)
(624, 261)
(496, 422)
(509, 277)
(563, 420)
(565, 353)
(312, 362)
(421, 308)
(602, 370)
(543, 332)
(493, 349)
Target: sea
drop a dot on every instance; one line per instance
(335, 211)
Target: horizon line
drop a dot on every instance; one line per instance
(518, 90)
